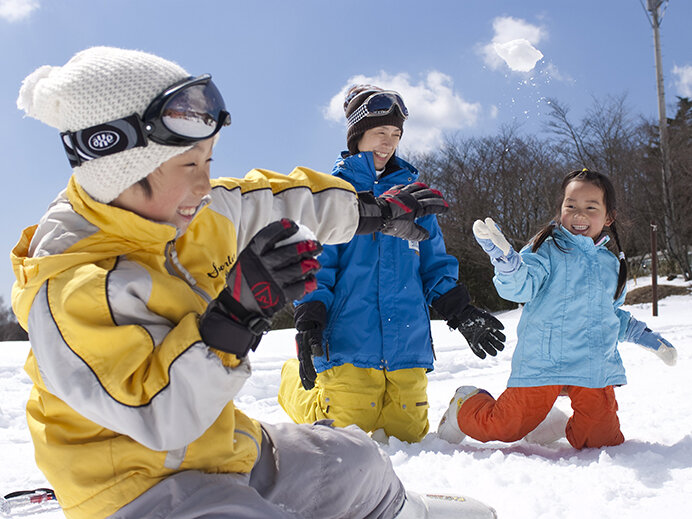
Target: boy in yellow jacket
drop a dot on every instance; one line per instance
(143, 289)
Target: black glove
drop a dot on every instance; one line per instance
(394, 211)
(310, 319)
(480, 329)
(262, 280)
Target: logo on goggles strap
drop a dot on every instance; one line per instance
(103, 140)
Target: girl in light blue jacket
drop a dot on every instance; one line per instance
(572, 287)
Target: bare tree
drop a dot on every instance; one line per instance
(10, 330)
(511, 178)
(607, 139)
(680, 150)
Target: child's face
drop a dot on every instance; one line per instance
(178, 186)
(584, 210)
(382, 141)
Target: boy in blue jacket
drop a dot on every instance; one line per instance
(364, 342)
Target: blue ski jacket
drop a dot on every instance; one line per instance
(571, 324)
(377, 288)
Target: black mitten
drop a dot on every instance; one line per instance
(262, 280)
(395, 210)
(480, 328)
(310, 319)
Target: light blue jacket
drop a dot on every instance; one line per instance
(377, 288)
(570, 325)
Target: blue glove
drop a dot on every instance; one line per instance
(503, 257)
(638, 333)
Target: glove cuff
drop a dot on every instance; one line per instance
(508, 264)
(310, 316)
(371, 218)
(451, 304)
(220, 331)
(634, 331)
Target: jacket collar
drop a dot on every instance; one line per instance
(360, 171)
(582, 242)
(125, 225)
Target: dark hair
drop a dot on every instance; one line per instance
(146, 186)
(605, 185)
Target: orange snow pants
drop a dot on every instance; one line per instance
(519, 410)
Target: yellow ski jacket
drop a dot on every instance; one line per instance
(125, 391)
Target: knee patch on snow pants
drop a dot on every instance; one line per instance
(395, 401)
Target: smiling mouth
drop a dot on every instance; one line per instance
(187, 212)
(580, 228)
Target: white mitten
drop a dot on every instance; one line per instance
(502, 255)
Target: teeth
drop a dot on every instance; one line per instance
(381, 155)
(580, 227)
(187, 212)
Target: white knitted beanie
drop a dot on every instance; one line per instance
(96, 86)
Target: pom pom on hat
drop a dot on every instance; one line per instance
(356, 96)
(99, 85)
(28, 93)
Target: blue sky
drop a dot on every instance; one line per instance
(463, 66)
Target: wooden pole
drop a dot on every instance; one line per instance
(656, 8)
(654, 269)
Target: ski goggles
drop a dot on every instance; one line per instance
(186, 112)
(378, 104)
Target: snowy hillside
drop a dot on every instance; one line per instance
(650, 475)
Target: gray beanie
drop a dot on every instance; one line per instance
(96, 86)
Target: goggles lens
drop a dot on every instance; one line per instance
(195, 112)
(379, 103)
(384, 102)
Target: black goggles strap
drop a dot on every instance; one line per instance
(103, 140)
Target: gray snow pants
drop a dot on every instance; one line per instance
(303, 471)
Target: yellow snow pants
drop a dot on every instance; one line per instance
(370, 398)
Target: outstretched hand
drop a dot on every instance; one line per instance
(639, 333)
(481, 330)
(489, 236)
(394, 212)
(653, 342)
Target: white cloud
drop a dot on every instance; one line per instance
(15, 10)
(433, 107)
(683, 80)
(514, 44)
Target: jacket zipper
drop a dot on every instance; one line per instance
(175, 268)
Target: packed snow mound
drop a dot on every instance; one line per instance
(647, 476)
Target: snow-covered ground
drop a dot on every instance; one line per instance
(650, 475)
